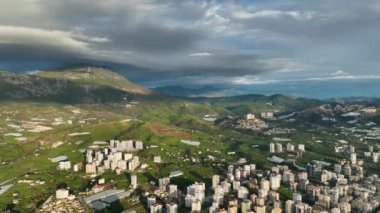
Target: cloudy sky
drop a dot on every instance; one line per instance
(196, 42)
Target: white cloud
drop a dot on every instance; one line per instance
(54, 38)
(91, 39)
(281, 65)
(252, 80)
(245, 80)
(213, 18)
(201, 54)
(345, 77)
(299, 15)
(338, 73)
(65, 43)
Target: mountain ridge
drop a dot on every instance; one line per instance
(95, 75)
(181, 91)
(102, 85)
(81, 85)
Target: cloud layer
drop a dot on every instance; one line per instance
(195, 42)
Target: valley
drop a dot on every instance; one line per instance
(66, 113)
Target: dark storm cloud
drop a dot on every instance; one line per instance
(147, 37)
(193, 42)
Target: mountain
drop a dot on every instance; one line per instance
(95, 75)
(77, 85)
(356, 100)
(91, 84)
(180, 91)
(255, 103)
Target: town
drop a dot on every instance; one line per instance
(320, 187)
(322, 157)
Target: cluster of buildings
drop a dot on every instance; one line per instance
(116, 157)
(372, 133)
(32, 182)
(278, 131)
(278, 148)
(126, 146)
(62, 202)
(344, 188)
(195, 196)
(166, 196)
(346, 108)
(251, 122)
(369, 110)
(267, 115)
(319, 188)
(351, 113)
(159, 208)
(369, 156)
(264, 115)
(315, 190)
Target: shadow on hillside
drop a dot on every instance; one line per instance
(63, 91)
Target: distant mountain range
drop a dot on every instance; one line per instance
(343, 93)
(89, 84)
(254, 103)
(180, 91)
(353, 100)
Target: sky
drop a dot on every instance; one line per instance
(197, 42)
